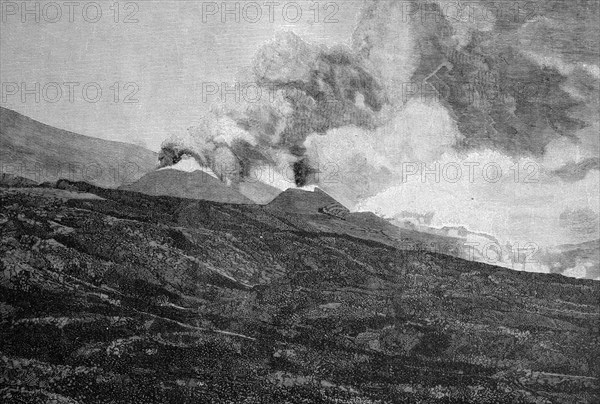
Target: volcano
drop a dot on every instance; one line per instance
(189, 185)
(257, 191)
(301, 201)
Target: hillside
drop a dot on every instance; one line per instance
(324, 213)
(123, 297)
(301, 201)
(190, 185)
(257, 191)
(43, 153)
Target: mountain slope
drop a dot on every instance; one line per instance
(301, 201)
(135, 298)
(190, 185)
(14, 181)
(323, 212)
(43, 153)
(257, 191)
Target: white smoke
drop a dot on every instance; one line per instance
(357, 163)
(344, 114)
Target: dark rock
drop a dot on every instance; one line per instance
(158, 299)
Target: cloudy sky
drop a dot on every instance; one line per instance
(515, 103)
(173, 48)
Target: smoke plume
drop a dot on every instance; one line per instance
(426, 83)
(309, 90)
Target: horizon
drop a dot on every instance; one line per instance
(363, 201)
(360, 99)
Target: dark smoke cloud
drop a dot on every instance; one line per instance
(499, 95)
(572, 172)
(315, 90)
(172, 154)
(507, 91)
(511, 103)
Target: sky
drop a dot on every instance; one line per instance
(159, 52)
(161, 72)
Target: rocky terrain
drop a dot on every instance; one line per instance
(111, 296)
